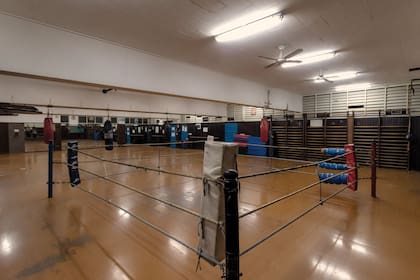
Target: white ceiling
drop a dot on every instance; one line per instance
(379, 38)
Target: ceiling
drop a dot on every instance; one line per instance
(376, 37)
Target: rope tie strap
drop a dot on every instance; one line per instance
(198, 266)
(205, 185)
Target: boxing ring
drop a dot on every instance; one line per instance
(154, 158)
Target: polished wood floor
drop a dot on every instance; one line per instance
(75, 235)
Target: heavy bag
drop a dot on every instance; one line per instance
(108, 135)
(73, 163)
(167, 130)
(264, 127)
(351, 163)
(48, 130)
(121, 134)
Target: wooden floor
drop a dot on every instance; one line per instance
(75, 235)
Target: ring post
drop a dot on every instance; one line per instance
(231, 224)
(50, 168)
(373, 168)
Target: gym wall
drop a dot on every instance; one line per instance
(39, 49)
(30, 91)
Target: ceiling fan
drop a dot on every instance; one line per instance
(333, 77)
(321, 78)
(283, 58)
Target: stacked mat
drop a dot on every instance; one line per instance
(256, 150)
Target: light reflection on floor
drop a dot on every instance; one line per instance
(330, 270)
(6, 245)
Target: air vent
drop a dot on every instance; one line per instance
(356, 106)
(396, 112)
(322, 115)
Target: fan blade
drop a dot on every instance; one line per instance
(293, 53)
(266, 57)
(272, 64)
(325, 79)
(7, 113)
(17, 108)
(293, 61)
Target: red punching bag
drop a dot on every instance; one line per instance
(48, 130)
(264, 127)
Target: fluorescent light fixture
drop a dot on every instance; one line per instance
(243, 20)
(336, 76)
(350, 87)
(310, 58)
(248, 25)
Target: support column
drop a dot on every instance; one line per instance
(350, 128)
(305, 137)
(373, 169)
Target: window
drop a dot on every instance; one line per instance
(82, 119)
(99, 120)
(64, 119)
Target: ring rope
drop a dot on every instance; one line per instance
(136, 158)
(292, 193)
(162, 156)
(282, 147)
(277, 170)
(158, 229)
(92, 147)
(302, 172)
(188, 211)
(141, 166)
(203, 141)
(107, 176)
(275, 158)
(277, 230)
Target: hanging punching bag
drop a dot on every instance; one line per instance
(264, 127)
(108, 135)
(48, 130)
